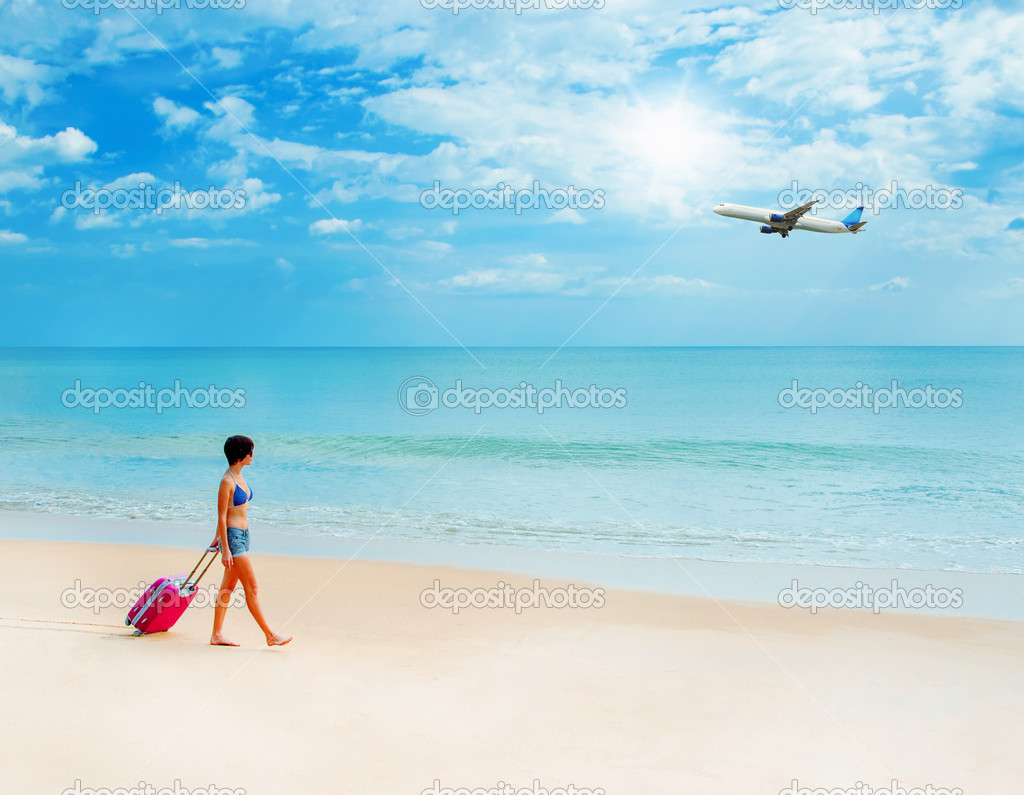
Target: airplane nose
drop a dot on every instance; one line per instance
(718, 209)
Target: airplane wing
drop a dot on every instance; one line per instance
(794, 215)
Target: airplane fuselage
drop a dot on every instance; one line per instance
(776, 221)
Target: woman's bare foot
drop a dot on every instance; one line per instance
(220, 640)
(277, 640)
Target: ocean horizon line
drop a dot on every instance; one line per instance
(505, 347)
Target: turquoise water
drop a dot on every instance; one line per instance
(702, 461)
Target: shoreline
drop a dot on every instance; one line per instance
(985, 596)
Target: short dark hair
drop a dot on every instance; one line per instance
(238, 447)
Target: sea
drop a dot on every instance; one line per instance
(885, 457)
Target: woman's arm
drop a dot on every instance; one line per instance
(224, 496)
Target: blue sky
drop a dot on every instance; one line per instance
(334, 118)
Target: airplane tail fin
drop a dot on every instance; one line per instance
(854, 217)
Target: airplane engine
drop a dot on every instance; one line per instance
(767, 230)
(775, 218)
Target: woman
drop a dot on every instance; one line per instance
(233, 538)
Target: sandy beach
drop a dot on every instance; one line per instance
(635, 693)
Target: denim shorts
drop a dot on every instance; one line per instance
(238, 541)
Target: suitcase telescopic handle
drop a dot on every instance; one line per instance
(213, 557)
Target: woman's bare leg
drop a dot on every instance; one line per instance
(247, 577)
(227, 587)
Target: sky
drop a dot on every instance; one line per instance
(328, 136)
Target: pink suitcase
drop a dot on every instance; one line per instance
(164, 602)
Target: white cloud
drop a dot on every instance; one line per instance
(228, 59)
(894, 284)
(174, 116)
(328, 226)
(131, 181)
(24, 178)
(852, 51)
(534, 260)
(257, 197)
(404, 232)
(436, 248)
(530, 273)
(96, 221)
(508, 280)
(205, 242)
(234, 114)
(1013, 288)
(566, 216)
(70, 145)
(22, 78)
(980, 62)
(149, 199)
(662, 284)
(289, 153)
(7, 237)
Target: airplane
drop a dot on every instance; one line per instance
(785, 223)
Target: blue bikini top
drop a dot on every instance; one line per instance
(240, 497)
